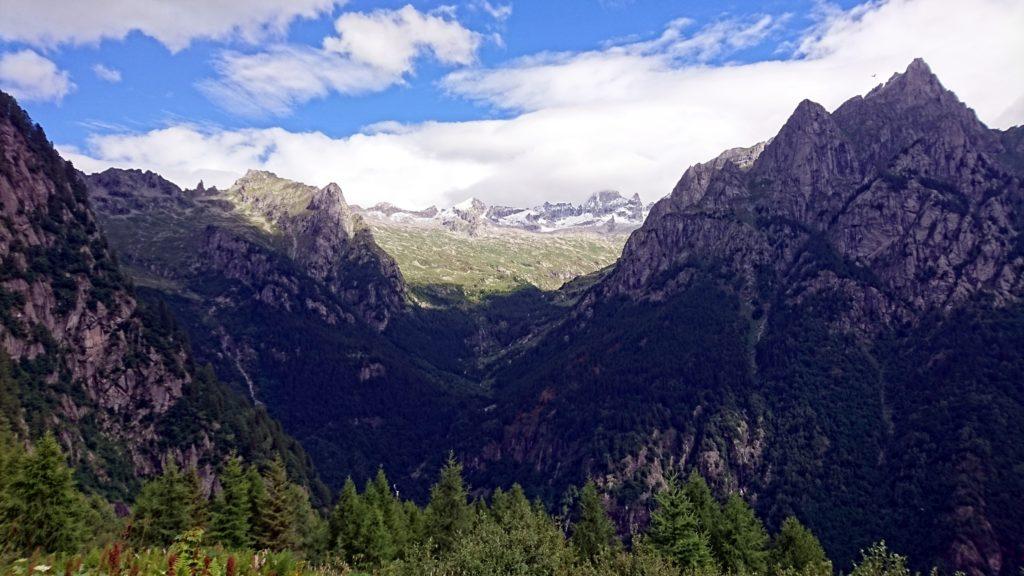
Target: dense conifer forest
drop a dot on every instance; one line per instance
(253, 520)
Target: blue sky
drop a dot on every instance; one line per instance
(484, 97)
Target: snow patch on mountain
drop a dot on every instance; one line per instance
(603, 212)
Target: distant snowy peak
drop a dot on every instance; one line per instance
(387, 211)
(604, 212)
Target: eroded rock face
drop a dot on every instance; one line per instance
(329, 241)
(780, 289)
(70, 319)
(905, 183)
(275, 221)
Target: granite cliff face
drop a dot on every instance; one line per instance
(822, 322)
(314, 229)
(329, 241)
(905, 184)
(85, 359)
(70, 318)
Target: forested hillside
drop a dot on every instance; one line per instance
(113, 380)
(832, 329)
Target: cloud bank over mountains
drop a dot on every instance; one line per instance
(630, 115)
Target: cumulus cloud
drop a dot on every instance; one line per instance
(106, 73)
(390, 40)
(630, 116)
(29, 76)
(371, 52)
(48, 23)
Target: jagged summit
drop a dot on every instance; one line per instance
(329, 196)
(917, 80)
(471, 204)
(607, 211)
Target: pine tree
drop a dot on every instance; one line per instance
(278, 517)
(510, 508)
(42, 507)
(675, 530)
(198, 504)
(166, 507)
(312, 529)
(707, 509)
(744, 540)
(346, 519)
(415, 522)
(393, 512)
(257, 504)
(796, 549)
(10, 462)
(377, 545)
(448, 514)
(593, 534)
(229, 523)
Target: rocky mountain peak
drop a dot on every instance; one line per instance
(901, 181)
(253, 175)
(805, 164)
(911, 109)
(331, 199)
(918, 83)
(471, 205)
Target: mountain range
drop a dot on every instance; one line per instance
(829, 323)
(606, 212)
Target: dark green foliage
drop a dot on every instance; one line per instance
(611, 382)
(167, 506)
(230, 510)
(708, 512)
(258, 501)
(511, 507)
(533, 544)
(879, 561)
(374, 532)
(825, 393)
(277, 527)
(795, 550)
(676, 532)
(954, 390)
(209, 408)
(346, 519)
(448, 515)
(39, 504)
(593, 534)
(744, 541)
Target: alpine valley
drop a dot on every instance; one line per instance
(829, 323)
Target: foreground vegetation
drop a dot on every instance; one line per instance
(258, 523)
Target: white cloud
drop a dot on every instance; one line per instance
(107, 74)
(619, 73)
(48, 23)
(631, 116)
(372, 51)
(29, 76)
(390, 40)
(283, 77)
(499, 12)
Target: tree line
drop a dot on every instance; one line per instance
(374, 530)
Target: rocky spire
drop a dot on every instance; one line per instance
(807, 163)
